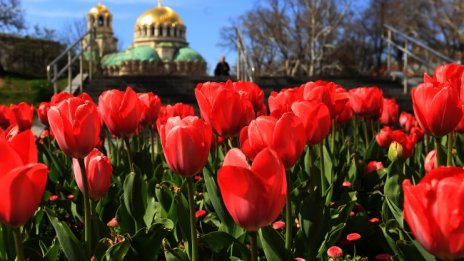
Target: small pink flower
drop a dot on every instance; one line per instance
(200, 213)
(53, 198)
(70, 197)
(374, 221)
(278, 225)
(299, 259)
(335, 252)
(112, 223)
(353, 237)
(346, 184)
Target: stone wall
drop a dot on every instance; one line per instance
(27, 56)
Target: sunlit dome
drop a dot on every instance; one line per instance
(160, 15)
(100, 9)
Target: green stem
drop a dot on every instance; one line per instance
(311, 174)
(87, 213)
(440, 157)
(152, 147)
(449, 155)
(288, 215)
(129, 153)
(332, 141)
(18, 244)
(323, 178)
(254, 245)
(366, 134)
(355, 133)
(193, 229)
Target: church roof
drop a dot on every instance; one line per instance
(187, 54)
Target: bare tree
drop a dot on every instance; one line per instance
(290, 37)
(73, 30)
(11, 15)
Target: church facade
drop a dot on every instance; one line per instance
(159, 48)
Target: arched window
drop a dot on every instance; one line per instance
(145, 31)
(100, 21)
(168, 31)
(152, 30)
(160, 33)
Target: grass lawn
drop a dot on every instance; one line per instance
(14, 89)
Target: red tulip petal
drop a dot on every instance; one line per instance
(235, 157)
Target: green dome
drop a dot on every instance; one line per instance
(113, 59)
(187, 54)
(142, 53)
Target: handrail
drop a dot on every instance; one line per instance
(421, 44)
(403, 47)
(245, 67)
(52, 68)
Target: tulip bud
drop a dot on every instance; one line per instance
(395, 151)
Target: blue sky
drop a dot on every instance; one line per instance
(204, 19)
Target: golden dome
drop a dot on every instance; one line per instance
(100, 10)
(159, 15)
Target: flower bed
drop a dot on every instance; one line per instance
(318, 173)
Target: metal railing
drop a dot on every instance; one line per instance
(404, 43)
(54, 73)
(245, 67)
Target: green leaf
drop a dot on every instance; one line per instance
(215, 196)
(273, 245)
(118, 251)
(146, 244)
(218, 241)
(176, 255)
(135, 199)
(71, 247)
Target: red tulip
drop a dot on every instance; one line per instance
(331, 94)
(448, 73)
(386, 136)
(226, 110)
(22, 179)
(5, 116)
(437, 108)
(59, 97)
(433, 210)
(75, 123)
(151, 105)
(373, 166)
(316, 119)
(367, 102)
(407, 121)
(389, 113)
(98, 169)
(281, 102)
(383, 138)
(121, 111)
(42, 111)
(346, 114)
(22, 115)
(430, 161)
(286, 136)
(186, 143)
(254, 196)
(254, 94)
(179, 109)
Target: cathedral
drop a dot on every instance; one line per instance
(159, 48)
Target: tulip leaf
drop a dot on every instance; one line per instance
(314, 217)
(135, 199)
(71, 247)
(176, 255)
(215, 197)
(273, 245)
(146, 244)
(183, 217)
(118, 251)
(411, 252)
(125, 221)
(218, 241)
